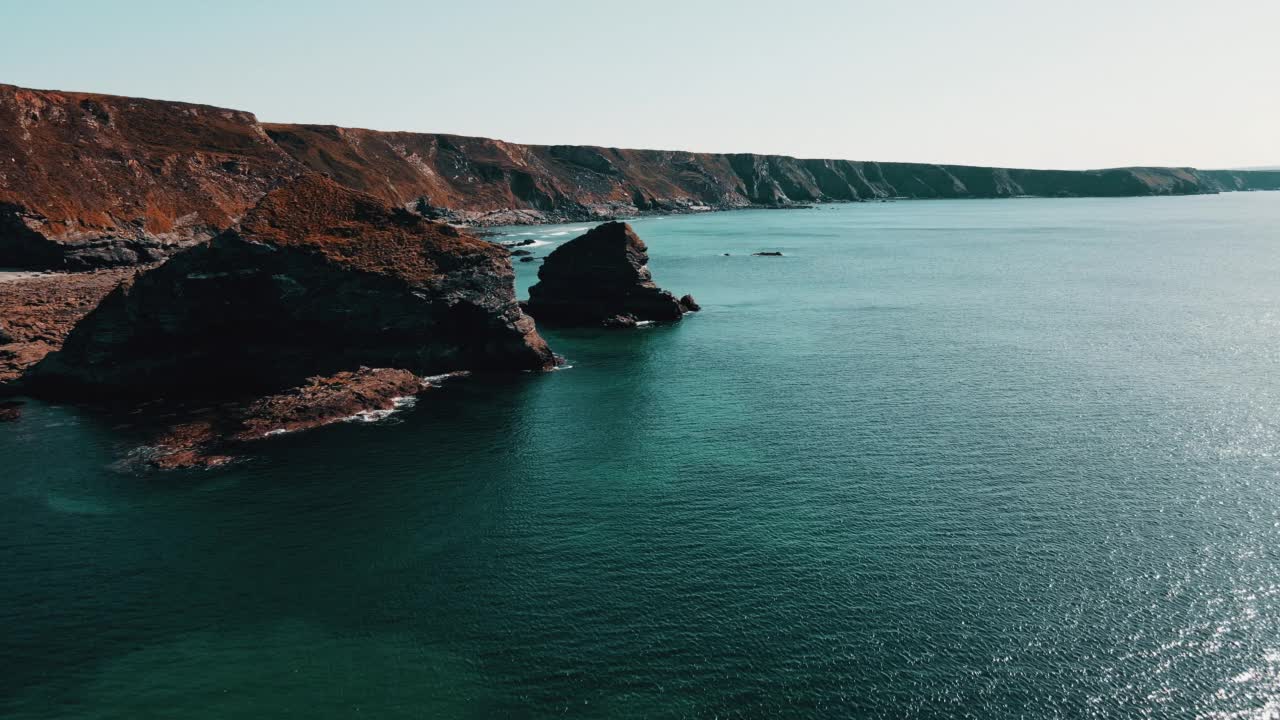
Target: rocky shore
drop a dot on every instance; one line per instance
(37, 311)
(219, 435)
(322, 304)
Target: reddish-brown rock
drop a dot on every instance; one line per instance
(317, 279)
(91, 180)
(37, 312)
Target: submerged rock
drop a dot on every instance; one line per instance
(315, 280)
(767, 254)
(10, 410)
(601, 278)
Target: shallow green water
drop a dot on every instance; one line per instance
(959, 458)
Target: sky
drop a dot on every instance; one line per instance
(1032, 83)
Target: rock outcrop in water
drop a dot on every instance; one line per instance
(214, 438)
(602, 279)
(91, 180)
(317, 279)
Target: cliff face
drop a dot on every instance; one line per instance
(317, 279)
(92, 180)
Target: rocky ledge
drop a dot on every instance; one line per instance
(38, 310)
(602, 279)
(217, 436)
(316, 279)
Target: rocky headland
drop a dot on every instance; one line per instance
(323, 303)
(602, 279)
(315, 280)
(89, 180)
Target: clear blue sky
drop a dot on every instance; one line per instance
(992, 82)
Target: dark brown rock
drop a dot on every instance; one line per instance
(219, 435)
(689, 304)
(597, 278)
(326, 400)
(316, 279)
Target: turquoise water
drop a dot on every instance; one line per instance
(990, 459)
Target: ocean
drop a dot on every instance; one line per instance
(972, 458)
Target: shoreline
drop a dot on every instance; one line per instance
(485, 230)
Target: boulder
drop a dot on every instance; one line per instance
(316, 279)
(599, 278)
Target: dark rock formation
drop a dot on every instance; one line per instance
(316, 279)
(773, 253)
(520, 253)
(217, 437)
(689, 304)
(90, 180)
(601, 279)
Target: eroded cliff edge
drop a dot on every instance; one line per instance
(89, 180)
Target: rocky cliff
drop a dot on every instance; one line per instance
(92, 180)
(315, 280)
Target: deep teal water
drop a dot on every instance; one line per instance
(990, 459)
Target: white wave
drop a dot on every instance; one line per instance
(370, 416)
(436, 380)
